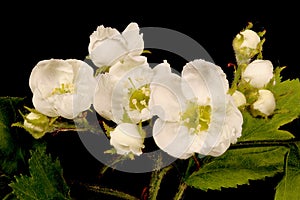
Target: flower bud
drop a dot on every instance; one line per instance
(250, 39)
(108, 46)
(258, 73)
(265, 103)
(245, 45)
(239, 98)
(36, 124)
(126, 138)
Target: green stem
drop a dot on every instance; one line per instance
(181, 189)
(183, 186)
(114, 162)
(109, 191)
(155, 181)
(236, 79)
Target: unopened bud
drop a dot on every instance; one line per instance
(265, 103)
(36, 124)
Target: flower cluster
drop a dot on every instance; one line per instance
(195, 112)
(211, 129)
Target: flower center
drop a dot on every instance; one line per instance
(139, 98)
(196, 117)
(64, 88)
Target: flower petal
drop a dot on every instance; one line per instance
(119, 69)
(100, 34)
(44, 106)
(206, 80)
(109, 52)
(64, 105)
(103, 95)
(135, 42)
(166, 100)
(173, 138)
(231, 129)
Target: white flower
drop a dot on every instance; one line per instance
(250, 39)
(195, 113)
(265, 102)
(239, 98)
(62, 87)
(124, 90)
(126, 138)
(108, 46)
(258, 73)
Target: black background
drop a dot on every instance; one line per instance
(51, 30)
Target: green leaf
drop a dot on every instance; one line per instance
(237, 167)
(262, 129)
(46, 179)
(11, 154)
(289, 187)
(287, 95)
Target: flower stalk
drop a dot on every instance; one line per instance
(155, 182)
(181, 189)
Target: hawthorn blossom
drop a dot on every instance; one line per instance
(195, 113)
(126, 138)
(122, 91)
(62, 87)
(258, 73)
(108, 46)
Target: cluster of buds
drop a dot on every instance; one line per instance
(255, 74)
